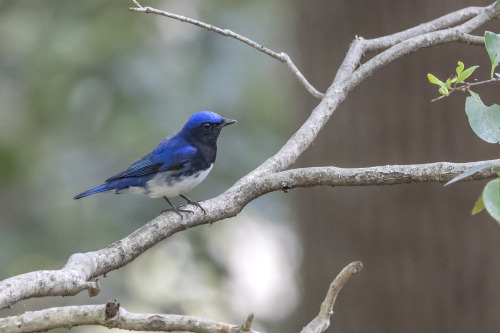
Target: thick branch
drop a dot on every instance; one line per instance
(322, 320)
(440, 172)
(82, 269)
(443, 22)
(111, 315)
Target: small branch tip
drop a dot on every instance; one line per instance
(247, 324)
(356, 267)
(137, 4)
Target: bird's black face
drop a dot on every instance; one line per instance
(208, 132)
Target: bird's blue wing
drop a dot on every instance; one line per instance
(167, 156)
(180, 159)
(143, 167)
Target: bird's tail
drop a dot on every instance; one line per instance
(98, 189)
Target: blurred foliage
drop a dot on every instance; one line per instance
(88, 87)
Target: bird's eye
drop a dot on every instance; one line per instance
(207, 126)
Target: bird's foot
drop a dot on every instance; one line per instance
(194, 203)
(177, 211)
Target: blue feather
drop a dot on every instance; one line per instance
(98, 189)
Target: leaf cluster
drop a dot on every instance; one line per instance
(445, 87)
(484, 120)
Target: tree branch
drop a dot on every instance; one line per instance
(443, 22)
(283, 57)
(472, 40)
(403, 47)
(82, 268)
(111, 315)
(321, 322)
(348, 77)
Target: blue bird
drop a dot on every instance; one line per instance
(177, 165)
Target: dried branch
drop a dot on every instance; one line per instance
(283, 57)
(82, 268)
(111, 315)
(322, 320)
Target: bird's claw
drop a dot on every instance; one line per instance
(194, 203)
(177, 210)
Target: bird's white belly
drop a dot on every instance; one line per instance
(159, 186)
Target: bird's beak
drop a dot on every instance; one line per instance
(226, 122)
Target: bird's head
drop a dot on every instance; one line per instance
(205, 126)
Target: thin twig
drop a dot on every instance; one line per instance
(322, 321)
(282, 56)
(137, 3)
(439, 98)
(483, 82)
(465, 87)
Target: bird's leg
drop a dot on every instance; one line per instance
(175, 209)
(194, 203)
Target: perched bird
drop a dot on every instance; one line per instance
(177, 165)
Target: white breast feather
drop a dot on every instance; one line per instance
(158, 186)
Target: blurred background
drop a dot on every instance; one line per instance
(87, 88)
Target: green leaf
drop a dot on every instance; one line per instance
(434, 80)
(450, 81)
(443, 91)
(497, 5)
(491, 198)
(466, 73)
(492, 43)
(478, 206)
(460, 67)
(469, 172)
(484, 120)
